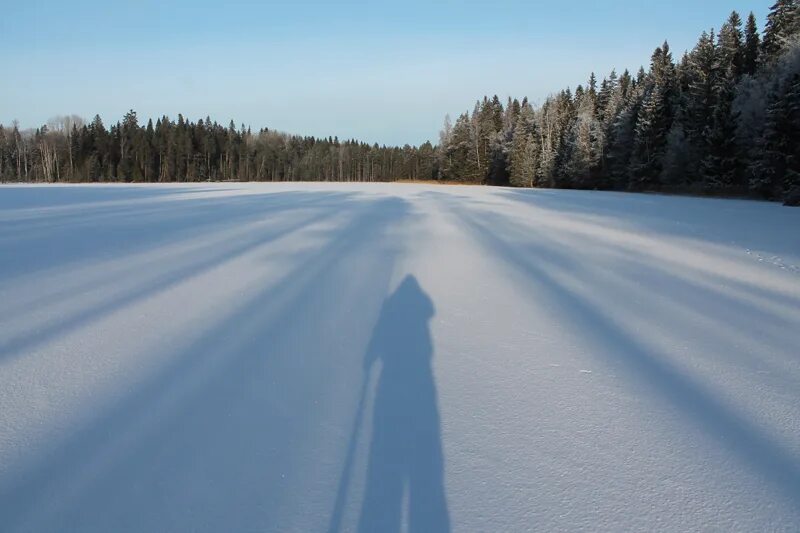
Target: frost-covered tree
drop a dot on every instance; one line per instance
(730, 47)
(783, 24)
(525, 149)
(621, 131)
(585, 141)
(677, 154)
(555, 119)
(777, 171)
(460, 155)
(653, 122)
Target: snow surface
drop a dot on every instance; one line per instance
(314, 357)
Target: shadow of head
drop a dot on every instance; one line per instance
(409, 295)
(402, 329)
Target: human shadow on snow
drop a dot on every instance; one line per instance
(406, 447)
(405, 463)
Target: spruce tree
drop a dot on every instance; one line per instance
(653, 122)
(778, 175)
(752, 44)
(721, 165)
(621, 132)
(730, 47)
(585, 142)
(127, 133)
(675, 168)
(701, 99)
(783, 23)
(524, 156)
(461, 153)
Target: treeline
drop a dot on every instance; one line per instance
(68, 150)
(724, 119)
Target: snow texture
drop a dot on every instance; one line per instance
(373, 357)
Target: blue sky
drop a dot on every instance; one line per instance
(378, 71)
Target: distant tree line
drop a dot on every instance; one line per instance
(66, 149)
(722, 120)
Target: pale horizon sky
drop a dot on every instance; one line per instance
(378, 72)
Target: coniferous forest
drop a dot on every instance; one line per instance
(722, 119)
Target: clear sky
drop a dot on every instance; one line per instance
(378, 71)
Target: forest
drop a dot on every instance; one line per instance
(721, 120)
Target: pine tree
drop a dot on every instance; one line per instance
(779, 170)
(721, 165)
(653, 122)
(498, 141)
(98, 149)
(148, 153)
(461, 153)
(556, 117)
(511, 115)
(487, 123)
(585, 142)
(649, 140)
(752, 45)
(621, 131)
(783, 23)
(676, 158)
(730, 47)
(524, 156)
(591, 89)
(703, 83)
(127, 136)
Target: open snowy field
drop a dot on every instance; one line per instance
(313, 357)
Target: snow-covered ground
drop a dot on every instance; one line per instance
(312, 357)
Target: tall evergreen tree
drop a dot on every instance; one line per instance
(127, 136)
(653, 122)
(585, 141)
(701, 97)
(779, 169)
(752, 45)
(462, 153)
(730, 47)
(622, 130)
(524, 156)
(783, 23)
(720, 167)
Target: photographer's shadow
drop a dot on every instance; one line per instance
(405, 455)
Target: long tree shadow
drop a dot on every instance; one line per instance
(224, 418)
(719, 221)
(97, 233)
(25, 196)
(767, 458)
(163, 276)
(406, 462)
